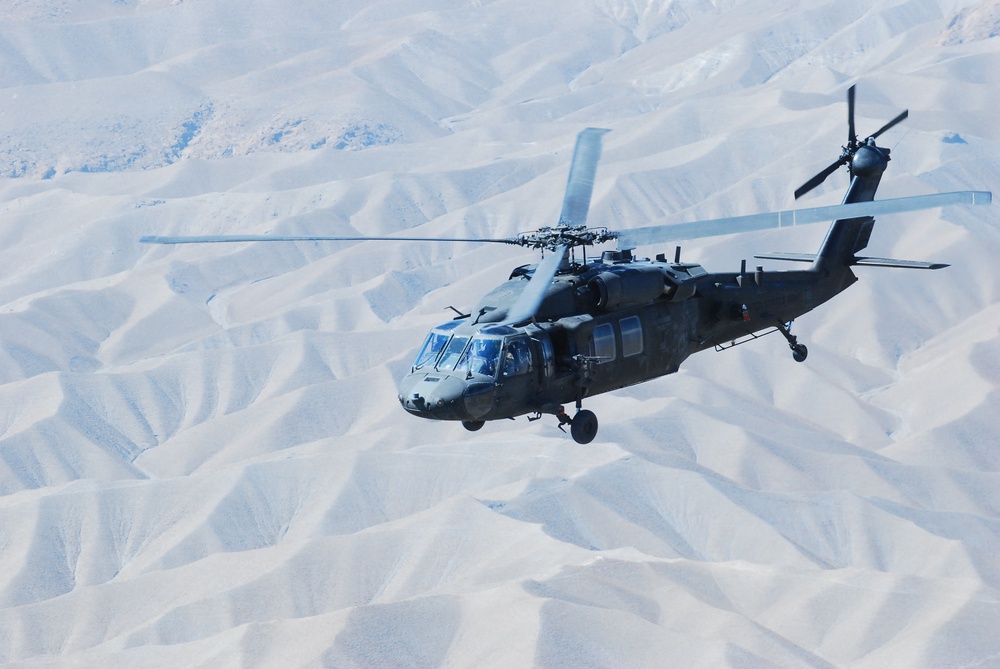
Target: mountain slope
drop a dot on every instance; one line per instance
(202, 459)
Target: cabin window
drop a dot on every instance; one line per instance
(603, 343)
(631, 336)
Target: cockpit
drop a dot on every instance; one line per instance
(486, 352)
(460, 370)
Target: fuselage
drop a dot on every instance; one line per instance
(602, 326)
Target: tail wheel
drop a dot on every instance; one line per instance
(799, 353)
(584, 427)
(473, 425)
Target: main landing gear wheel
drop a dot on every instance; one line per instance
(799, 351)
(583, 427)
(473, 425)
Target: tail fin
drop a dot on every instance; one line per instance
(847, 236)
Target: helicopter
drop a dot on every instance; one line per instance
(571, 327)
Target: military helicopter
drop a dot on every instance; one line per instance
(573, 327)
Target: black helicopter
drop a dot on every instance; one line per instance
(566, 329)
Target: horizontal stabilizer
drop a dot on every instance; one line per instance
(890, 262)
(794, 257)
(869, 262)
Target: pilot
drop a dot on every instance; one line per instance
(482, 356)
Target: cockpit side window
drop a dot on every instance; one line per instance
(517, 357)
(481, 357)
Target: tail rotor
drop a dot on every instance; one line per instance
(847, 155)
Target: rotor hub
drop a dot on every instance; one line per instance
(570, 236)
(869, 160)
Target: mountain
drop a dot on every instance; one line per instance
(202, 458)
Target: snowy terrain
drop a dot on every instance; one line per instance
(202, 458)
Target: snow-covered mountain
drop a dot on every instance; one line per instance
(202, 458)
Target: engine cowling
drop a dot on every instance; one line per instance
(622, 287)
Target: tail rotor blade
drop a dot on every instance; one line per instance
(580, 186)
(901, 117)
(818, 179)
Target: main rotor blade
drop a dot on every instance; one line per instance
(580, 186)
(210, 239)
(819, 178)
(526, 305)
(852, 137)
(901, 117)
(656, 234)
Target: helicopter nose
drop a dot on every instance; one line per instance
(437, 396)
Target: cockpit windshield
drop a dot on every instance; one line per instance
(452, 353)
(476, 354)
(433, 345)
(429, 352)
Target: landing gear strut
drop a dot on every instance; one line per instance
(799, 351)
